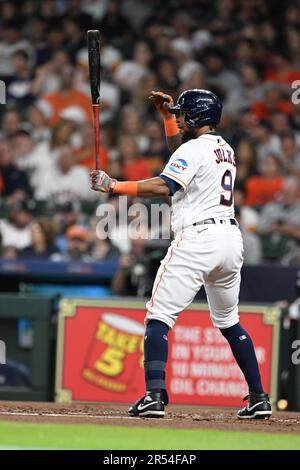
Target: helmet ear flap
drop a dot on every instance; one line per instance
(190, 121)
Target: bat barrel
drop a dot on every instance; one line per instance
(93, 40)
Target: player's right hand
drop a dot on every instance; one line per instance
(162, 102)
(100, 181)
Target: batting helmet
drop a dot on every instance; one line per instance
(201, 107)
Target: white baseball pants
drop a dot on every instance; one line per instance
(209, 255)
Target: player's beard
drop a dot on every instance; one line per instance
(188, 135)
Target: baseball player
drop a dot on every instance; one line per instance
(207, 249)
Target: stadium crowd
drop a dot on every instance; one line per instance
(246, 51)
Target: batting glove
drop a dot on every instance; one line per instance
(100, 181)
(162, 101)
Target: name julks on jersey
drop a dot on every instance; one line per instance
(225, 156)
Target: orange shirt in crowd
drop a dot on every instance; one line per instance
(260, 191)
(260, 109)
(86, 157)
(61, 100)
(138, 170)
(284, 78)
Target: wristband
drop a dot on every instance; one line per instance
(171, 128)
(125, 187)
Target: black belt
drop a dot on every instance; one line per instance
(213, 221)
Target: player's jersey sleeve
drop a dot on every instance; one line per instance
(172, 185)
(183, 165)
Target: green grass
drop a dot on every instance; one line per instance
(85, 436)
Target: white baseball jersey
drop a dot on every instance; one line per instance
(209, 255)
(205, 168)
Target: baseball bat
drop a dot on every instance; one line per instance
(93, 41)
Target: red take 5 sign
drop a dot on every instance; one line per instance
(100, 354)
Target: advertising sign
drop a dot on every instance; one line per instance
(100, 354)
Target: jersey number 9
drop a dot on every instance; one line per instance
(227, 199)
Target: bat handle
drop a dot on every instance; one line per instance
(96, 112)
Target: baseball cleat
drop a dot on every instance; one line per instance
(150, 406)
(258, 407)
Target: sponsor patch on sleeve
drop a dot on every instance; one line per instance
(178, 166)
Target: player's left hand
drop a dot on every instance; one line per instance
(100, 181)
(162, 101)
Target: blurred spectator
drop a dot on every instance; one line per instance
(132, 277)
(279, 225)
(134, 167)
(73, 36)
(11, 123)
(217, 75)
(8, 11)
(16, 230)
(77, 245)
(182, 51)
(79, 16)
(251, 242)
(194, 79)
(167, 75)
(42, 240)
(131, 125)
(248, 217)
(129, 72)
(39, 160)
(280, 122)
(49, 13)
(262, 188)
(47, 79)
(115, 24)
(67, 214)
(37, 121)
(246, 161)
(140, 97)
(22, 146)
(66, 97)
(69, 181)
(282, 70)
(11, 41)
(102, 248)
(95, 9)
(251, 89)
(246, 50)
(264, 140)
(157, 152)
(14, 182)
(19, 92)
(290, 155)
(271, 102)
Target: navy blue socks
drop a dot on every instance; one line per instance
(156, 355)
(243, 351)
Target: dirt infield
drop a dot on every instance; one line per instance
(176, 417)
